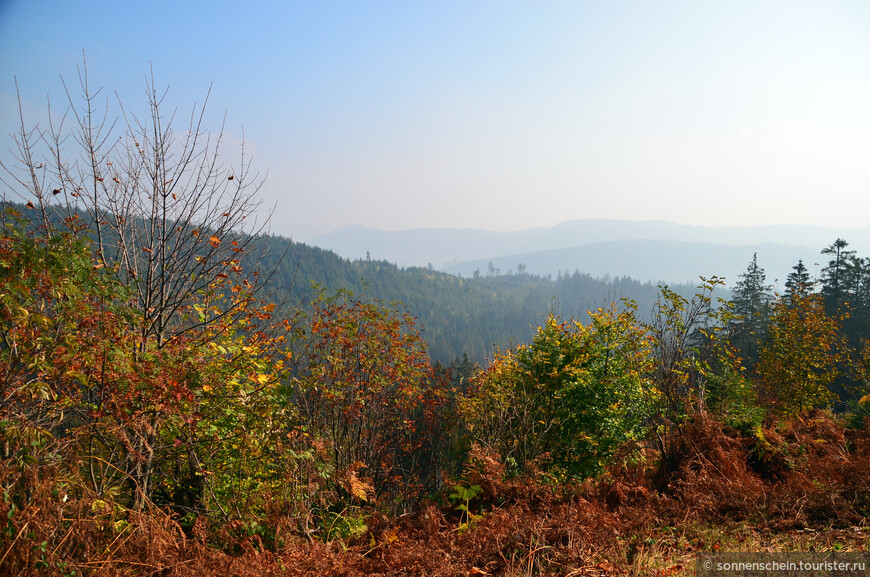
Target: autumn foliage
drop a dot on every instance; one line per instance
(803, 355)
(159, 415)
(261, 440)
(369, 394)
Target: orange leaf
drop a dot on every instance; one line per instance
(214, 240)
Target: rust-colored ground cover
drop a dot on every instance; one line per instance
(804, 487)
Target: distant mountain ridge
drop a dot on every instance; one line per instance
(464, 250)
(664, 261)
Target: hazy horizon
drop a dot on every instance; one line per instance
(498, 116)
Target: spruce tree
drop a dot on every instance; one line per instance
(751, 300)
(835, 276)
(799, 283)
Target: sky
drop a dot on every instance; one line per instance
(497, 115)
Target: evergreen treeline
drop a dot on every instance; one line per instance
(838, 294)
(843, 284)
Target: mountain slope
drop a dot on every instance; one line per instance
(444, 248)
(653, 260)
(457, 315)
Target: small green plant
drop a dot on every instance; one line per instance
(345, 525)
(65, 569)
(463, 496)
(42, 551)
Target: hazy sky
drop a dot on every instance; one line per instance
(498, 115)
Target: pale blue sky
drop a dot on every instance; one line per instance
(497, 115)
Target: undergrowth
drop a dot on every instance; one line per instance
(800, 487)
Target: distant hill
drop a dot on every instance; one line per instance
(654, 260)
(453, 249)
(457, 315)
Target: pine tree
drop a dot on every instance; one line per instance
(835, 276)
(798, 283)
(856, 294)
(751, 300)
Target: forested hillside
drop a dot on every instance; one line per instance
(240, 442)
(457, 315)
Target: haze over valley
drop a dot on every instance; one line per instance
(654, 251)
